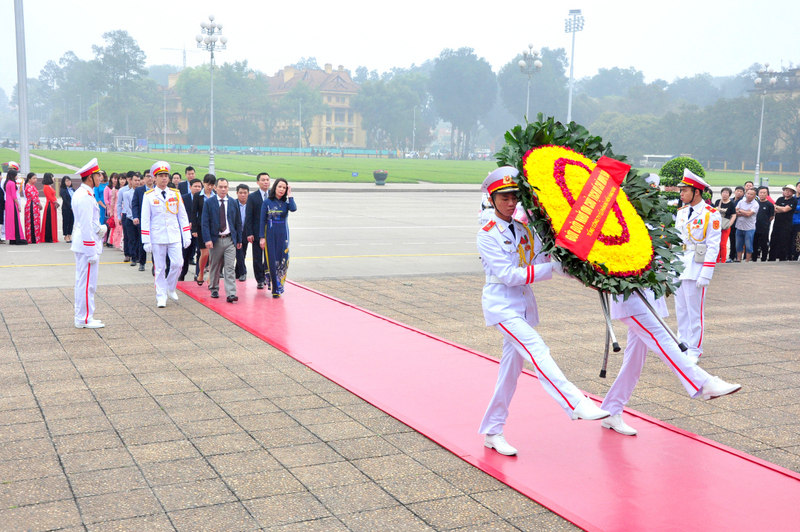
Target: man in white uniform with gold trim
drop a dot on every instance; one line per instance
(87, 245)
(510, 257)
(700, 227)
(165, 231)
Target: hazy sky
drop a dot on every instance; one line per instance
(663, 39)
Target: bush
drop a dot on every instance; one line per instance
(672, 171)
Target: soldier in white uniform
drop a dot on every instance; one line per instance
(510, 256)
(87, 238)
(645, 333)
(700, 228)
(165, 231)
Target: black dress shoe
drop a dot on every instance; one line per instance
(231, 299)
(214, 294)
(275, 296)
(141, 267)
(260, 286)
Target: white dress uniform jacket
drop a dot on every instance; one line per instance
(704, 226)
(159, 222)
(87, 223)
(507, 293)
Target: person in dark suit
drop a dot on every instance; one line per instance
(136, 211)
(242, 195)
(189, 203)
(201, 259)
(221, 233)
(67, 219)
(184, 186)
(251, 226)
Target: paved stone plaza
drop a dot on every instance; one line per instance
(177, 419)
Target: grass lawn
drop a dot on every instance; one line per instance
(315, 169)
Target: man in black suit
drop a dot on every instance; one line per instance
(251, 226)
(242, 195)
(184, 186)
(189, 203)
(136, 210)
(222, 228)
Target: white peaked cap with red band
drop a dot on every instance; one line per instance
(89, 168)
(500, 179)
(692, 180)
(159, 167)
(12, 165)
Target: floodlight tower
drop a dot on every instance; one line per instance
(207, 40)
(572, 25)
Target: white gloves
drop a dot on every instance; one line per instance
(147, 247)
(94, 259)
(702, 282)
(101, 231)
(187, 243)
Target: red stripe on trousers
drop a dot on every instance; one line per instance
(88, 273)
(665, 354)
(702, 302)
(537, 367)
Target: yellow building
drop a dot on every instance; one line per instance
(341, 125)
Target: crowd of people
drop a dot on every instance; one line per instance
(757, 226)
(179, 222)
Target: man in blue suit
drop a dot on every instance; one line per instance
(136, 210)
(222, 229)
(251, 229)
(184, 186)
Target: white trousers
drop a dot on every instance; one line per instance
(166, 284)
(646, 333)
(85, 287)
(690, 311)
(521, 342)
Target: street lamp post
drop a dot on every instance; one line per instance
(207, 40)
(529, 65)
(764, 79)
(572, 25)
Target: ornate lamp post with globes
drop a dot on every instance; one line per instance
(210, 39)
(529, 65)
(764, 80)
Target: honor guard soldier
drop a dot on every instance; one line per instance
(700, 228)
(165, 231)
(87, 245)
(511, 258)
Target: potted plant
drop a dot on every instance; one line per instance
(380, 176)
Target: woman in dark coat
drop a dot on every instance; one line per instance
(67, 219)
(50, 218)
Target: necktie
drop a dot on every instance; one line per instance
(223, 222)
(690, 211)
(164, 194)
(511, 226)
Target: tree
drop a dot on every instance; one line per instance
(548, 86)
(612, 82)
(698, 90)
(463, 88)
(307, 63)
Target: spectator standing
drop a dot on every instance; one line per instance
(33, 210)
(222, 227)
(99, 194)
(140, 256)
(242, 194)
(795, 244)
(50, 218)
(727, 211)
(746, 213)
(252, 229)
(766, 212)
(781, 239)
(274, 233)
(110, 199)
(738, 195)
(130, 236)
(201, 259)
(13, 219)
(67, 219)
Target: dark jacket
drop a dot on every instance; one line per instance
(253, 214)
(210, 222)
(136, 202)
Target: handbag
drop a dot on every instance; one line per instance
(726, 223)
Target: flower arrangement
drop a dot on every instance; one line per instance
(632, 250)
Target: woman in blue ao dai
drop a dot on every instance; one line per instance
(274, 233)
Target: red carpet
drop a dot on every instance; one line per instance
(663, 479)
